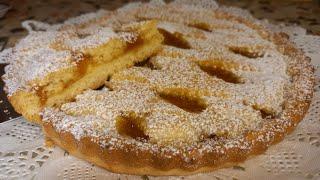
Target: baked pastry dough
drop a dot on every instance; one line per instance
(49, 68)
(222, 88)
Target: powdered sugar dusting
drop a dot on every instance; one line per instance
(256, 95)
(90, 37)
(49, 48)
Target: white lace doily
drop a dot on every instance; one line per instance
(23, 155)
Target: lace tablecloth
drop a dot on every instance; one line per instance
(24, 156)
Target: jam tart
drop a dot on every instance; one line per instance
(221, 89)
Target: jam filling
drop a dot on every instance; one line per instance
(132, 45)
(185, 100)
(244, 51)
(218, 70)
(132, 126)
(82, 68)
(40, 91)
(202, 26)
(174, 39)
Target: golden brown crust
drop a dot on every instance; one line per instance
(131, 160)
